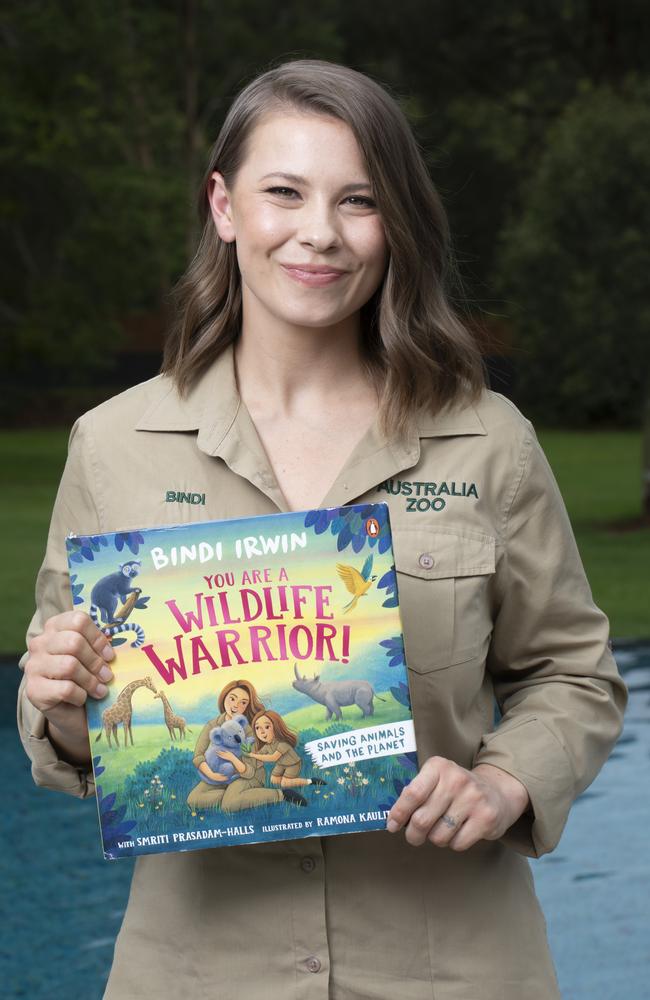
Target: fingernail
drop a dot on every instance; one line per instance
(108, 652)
(101, 690)
(392, 825)
(105, 674)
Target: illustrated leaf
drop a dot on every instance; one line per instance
(387, 580)
(401, 694)
(408, 760)
(321, 523)
(108, 802)
(358, 542)
(344, 539)
(384, 543)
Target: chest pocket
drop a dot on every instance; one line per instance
(442, 581)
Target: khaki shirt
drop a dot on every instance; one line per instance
(494, 603)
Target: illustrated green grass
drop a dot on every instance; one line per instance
(599, 474)
(148, 740)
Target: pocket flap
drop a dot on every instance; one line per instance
(435, 553)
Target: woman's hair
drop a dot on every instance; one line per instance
(255, 706)
(416, 348)
(280, 728)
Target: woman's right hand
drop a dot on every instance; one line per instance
(67, 663)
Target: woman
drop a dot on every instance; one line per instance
(247, 791)
(317, 362)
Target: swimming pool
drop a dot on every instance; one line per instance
(62, 904)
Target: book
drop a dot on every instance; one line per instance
(260, 688)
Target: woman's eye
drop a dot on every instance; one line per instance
(280, 190)
(363, 202)
(358, 201)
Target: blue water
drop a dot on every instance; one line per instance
(62, 904)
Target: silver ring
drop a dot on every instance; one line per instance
(448, 820)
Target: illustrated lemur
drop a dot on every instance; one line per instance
(105, 596)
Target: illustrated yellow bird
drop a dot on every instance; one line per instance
(358, 583)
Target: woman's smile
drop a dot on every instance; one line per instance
(312, 278)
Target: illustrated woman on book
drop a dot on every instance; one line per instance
(316, 361)
(246, 791)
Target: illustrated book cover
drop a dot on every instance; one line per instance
(260, 689)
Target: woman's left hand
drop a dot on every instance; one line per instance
(453, 807)
(227, 755)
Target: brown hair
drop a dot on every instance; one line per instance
(254, 705)
(416, 348)
(280, 728)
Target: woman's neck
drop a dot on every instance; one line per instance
(282, 370)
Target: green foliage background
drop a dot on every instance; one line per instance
(533, 119)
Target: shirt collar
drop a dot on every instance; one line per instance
(210, 406)
(213, 402)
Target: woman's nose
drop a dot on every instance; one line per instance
(317, 226)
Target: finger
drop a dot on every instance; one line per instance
(414, 794)
(68, 668)
(79, 621)
(425, 818)
(46, 694)
(76, 646)
(469, 834)
(445, 830)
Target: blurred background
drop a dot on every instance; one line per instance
(534, 120)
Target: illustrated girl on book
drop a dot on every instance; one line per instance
(276, 743)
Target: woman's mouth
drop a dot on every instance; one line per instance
(315, 279)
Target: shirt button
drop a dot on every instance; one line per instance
(426, 560)
(313, 964)
(308, 864)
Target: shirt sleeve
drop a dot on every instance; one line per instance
(555, 679)
(289, 755)
(203, 743)
(75, 509)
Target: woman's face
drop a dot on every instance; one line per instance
(236, 702)
(264, 729)
(322, 216)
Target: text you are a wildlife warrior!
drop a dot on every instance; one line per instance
(220, 630)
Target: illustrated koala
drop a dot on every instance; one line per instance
(228, 736)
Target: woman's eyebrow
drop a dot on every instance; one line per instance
(297, 179)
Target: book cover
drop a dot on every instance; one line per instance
(260, 688)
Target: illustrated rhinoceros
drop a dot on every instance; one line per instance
(336, 694)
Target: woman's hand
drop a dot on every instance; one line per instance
(68, 662)
(236, 761)
(453, 807)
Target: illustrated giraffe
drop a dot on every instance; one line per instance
(172, 721)
(122, 711)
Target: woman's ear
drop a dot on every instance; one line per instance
(220, 207)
